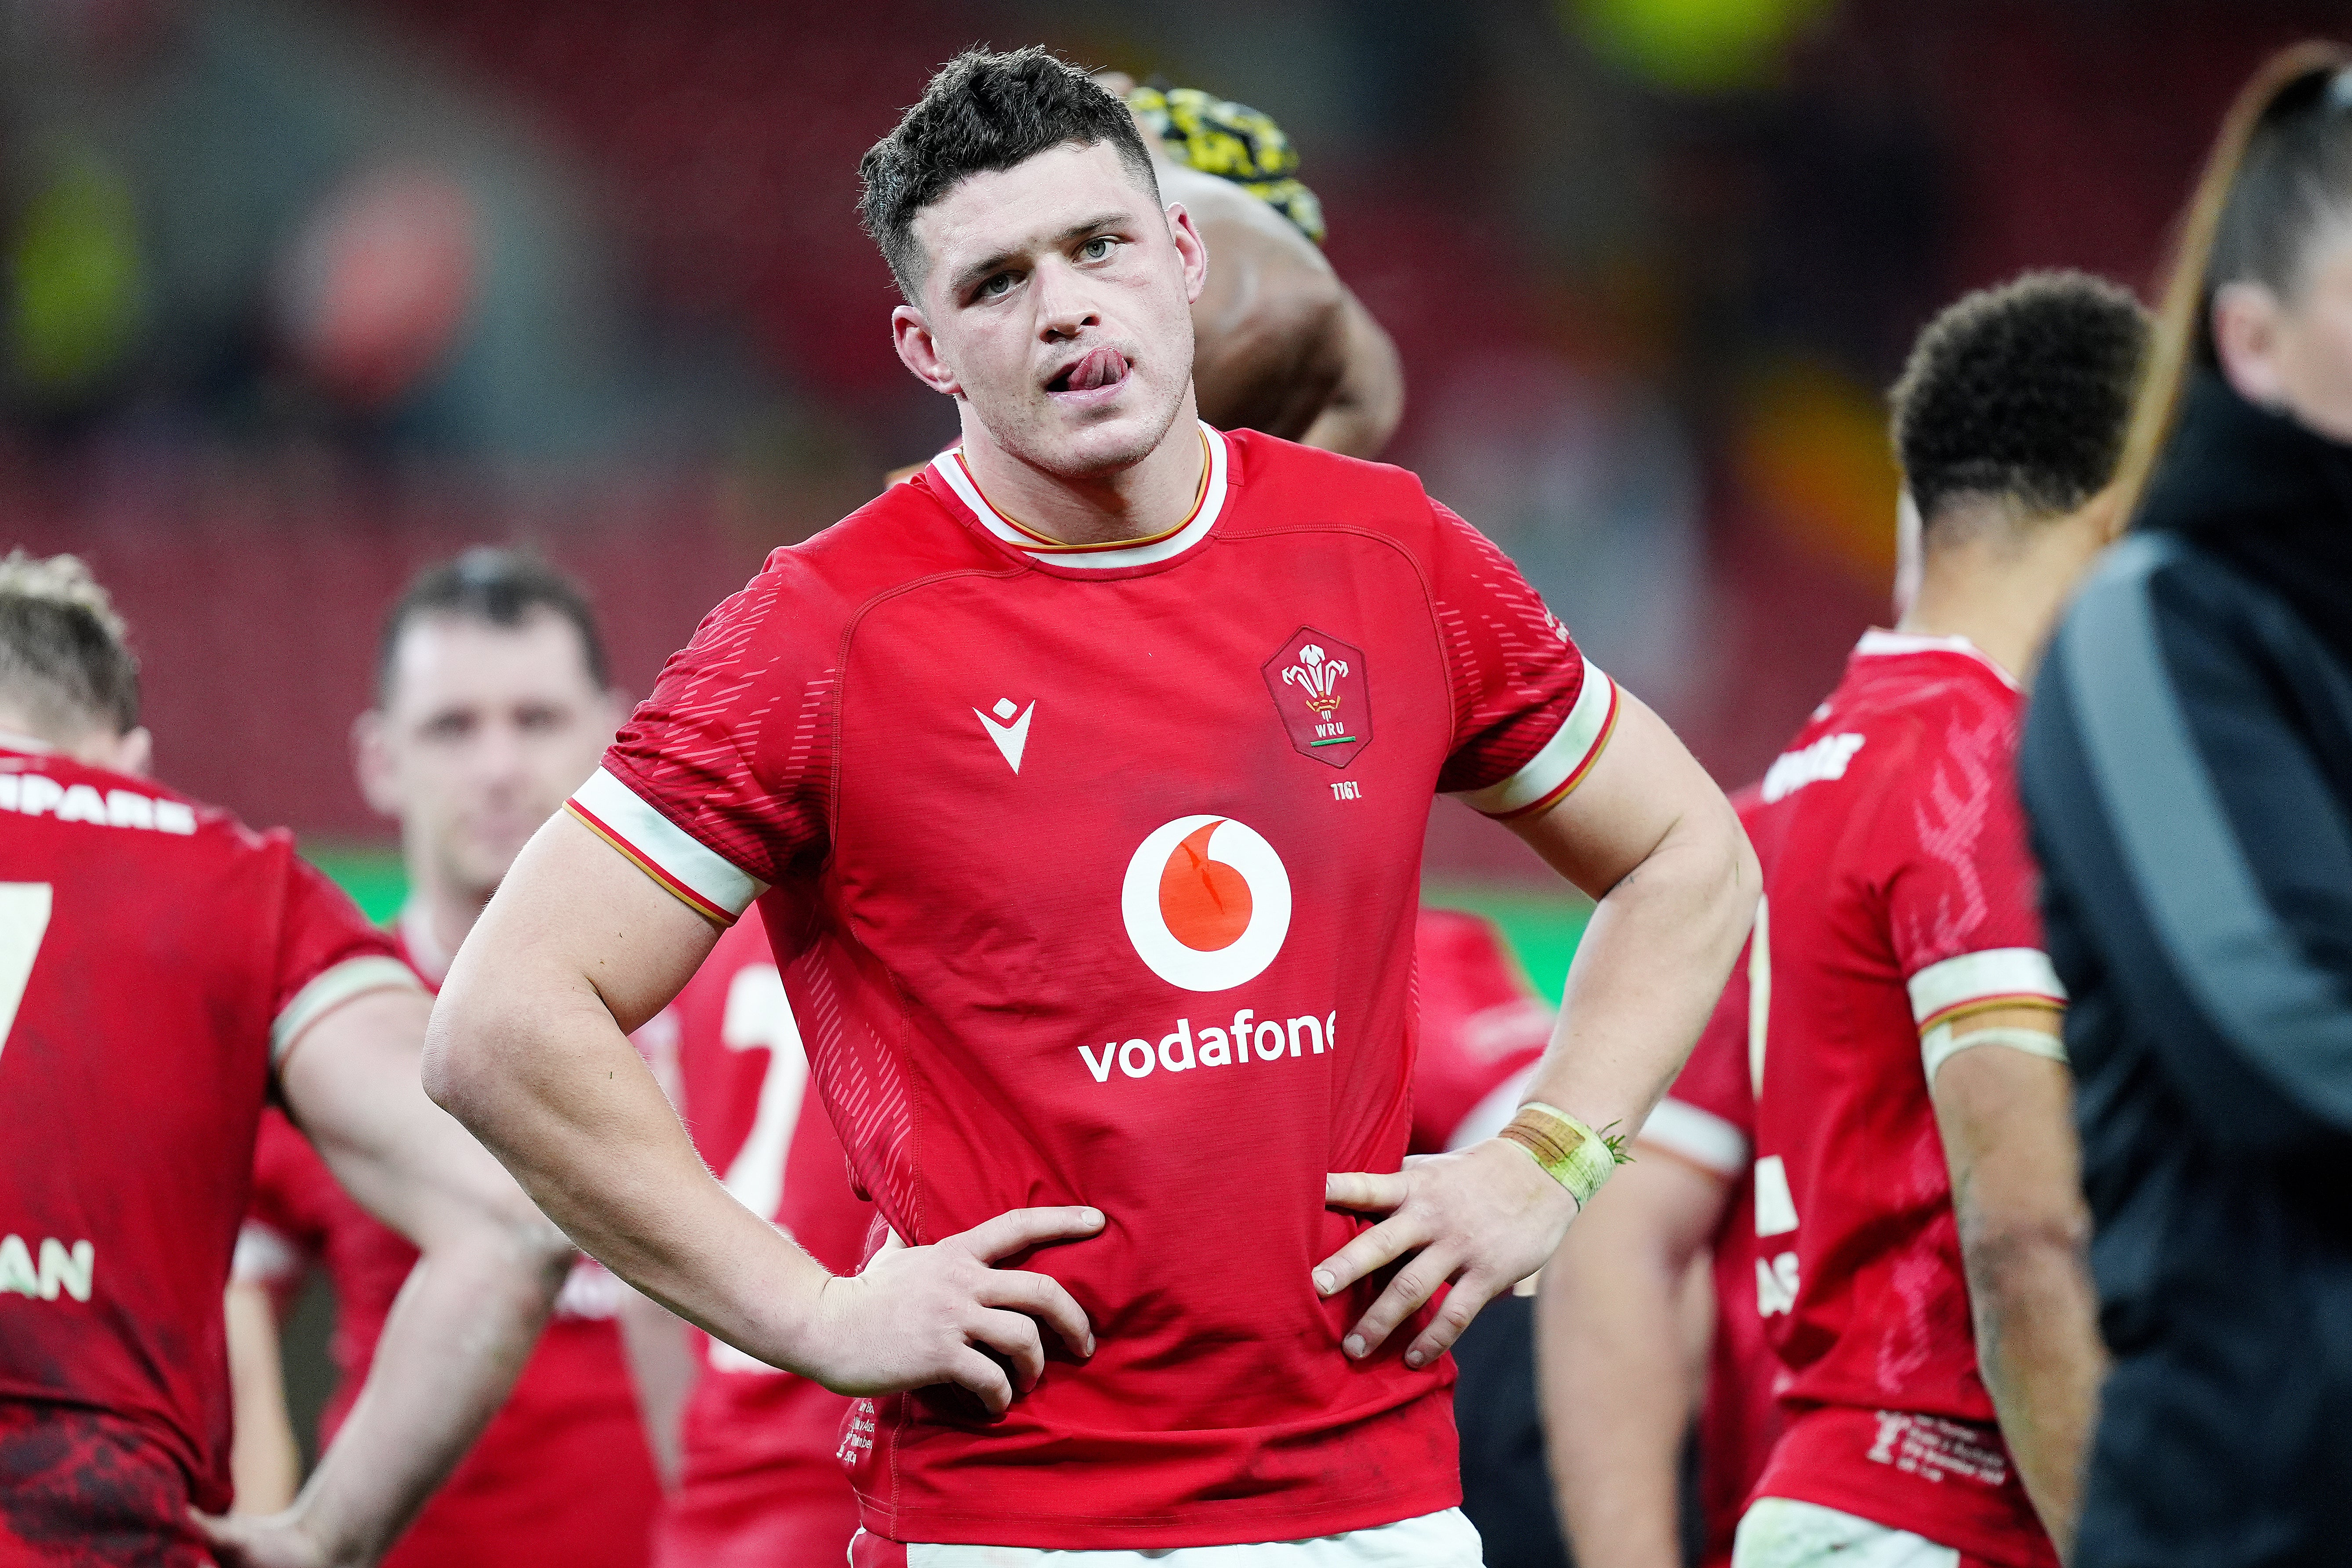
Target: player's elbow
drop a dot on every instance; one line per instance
(2016, 1248)
(460, 1065)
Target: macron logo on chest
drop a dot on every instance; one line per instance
(1009, 733)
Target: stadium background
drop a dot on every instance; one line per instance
(300, 294)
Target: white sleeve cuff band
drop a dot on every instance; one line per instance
(1561, 764)
(698, 875)
(1702, 1137)
(331, 989)
(2021, 975)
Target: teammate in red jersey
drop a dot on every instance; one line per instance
(492, 702)
(759, 1482)
(163, 970)
(1915, 1150)
(1622, 1368)
(1889, 830)
(1094, 756)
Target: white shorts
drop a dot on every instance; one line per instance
(1446, 1539)
(1780, 1532)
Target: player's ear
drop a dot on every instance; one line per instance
(920, 352)
(372, 763)
(2246, 331)
(132, 752)
(1190, 249)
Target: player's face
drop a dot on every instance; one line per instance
(1057, 305)
(484, 733)
(2295, 354)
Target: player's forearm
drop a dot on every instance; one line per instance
(2038, 1347)
(544, 1075)
(1616, 1387)
(1646, 975)
(457, 1337)
(1367, 405)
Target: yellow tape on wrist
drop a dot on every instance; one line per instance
(1569, 1151)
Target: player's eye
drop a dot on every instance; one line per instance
(995, 288)
(539, 719)
(448, 726)
(1098, 248)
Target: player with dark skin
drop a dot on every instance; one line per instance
(1280, 344)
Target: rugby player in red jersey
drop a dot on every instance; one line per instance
(2009, 417)
(492, 702)
(759, 1480)
(1099, 752)
(164, 970)
(1918, 1212)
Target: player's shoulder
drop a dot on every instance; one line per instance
(130, 809)
(903, 535)
(1282, 484)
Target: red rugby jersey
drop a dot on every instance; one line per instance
(1708, 1119)
(759, 1482)
(1483, 1029)
(1094, 873)
(155, 956)
(562, 1474)
(1899, 894)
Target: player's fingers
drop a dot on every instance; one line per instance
(1041, 1297)
(1414, 1285)
(1464, 1302)
(1376, 1249)
(1364, 1190)
(1013, 1335)
(970, 1370)
(1017, 1228)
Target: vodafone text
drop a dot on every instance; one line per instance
(1215, 1045)
(62, 1267)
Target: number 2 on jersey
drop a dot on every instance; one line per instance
(757, 1017)
(24, 920)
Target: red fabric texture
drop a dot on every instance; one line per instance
(985, 1025)
(131, 1083)
(1482, 1024)
(562, 1476)
(1911, 854)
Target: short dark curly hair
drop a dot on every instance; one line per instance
(2022, 392)
(980, 113)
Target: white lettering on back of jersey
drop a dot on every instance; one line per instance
(1824, 759)
(34, 794)
(1776, 1285)
(67, 1268)
(1776, 1209)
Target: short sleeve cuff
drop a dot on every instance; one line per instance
(1975, 981)
(1565, 759)
(263, 1256)
(1701, 1137)
(331, 989)
(698, 876)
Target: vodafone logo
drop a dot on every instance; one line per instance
(1207, 903)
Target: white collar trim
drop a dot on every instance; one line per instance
(1876, 641)
(1213, 501)
(10, 741)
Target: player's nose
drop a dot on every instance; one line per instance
(1065, 305)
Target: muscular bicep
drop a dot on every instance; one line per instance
(1643, 788)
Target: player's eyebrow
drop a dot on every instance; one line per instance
(987, 268)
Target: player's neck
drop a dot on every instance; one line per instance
(2002, 588)
(1139, 501)
(434, 921)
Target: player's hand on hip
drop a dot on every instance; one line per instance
(1486, 1218)
(261, 1540)
(922, 1315)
